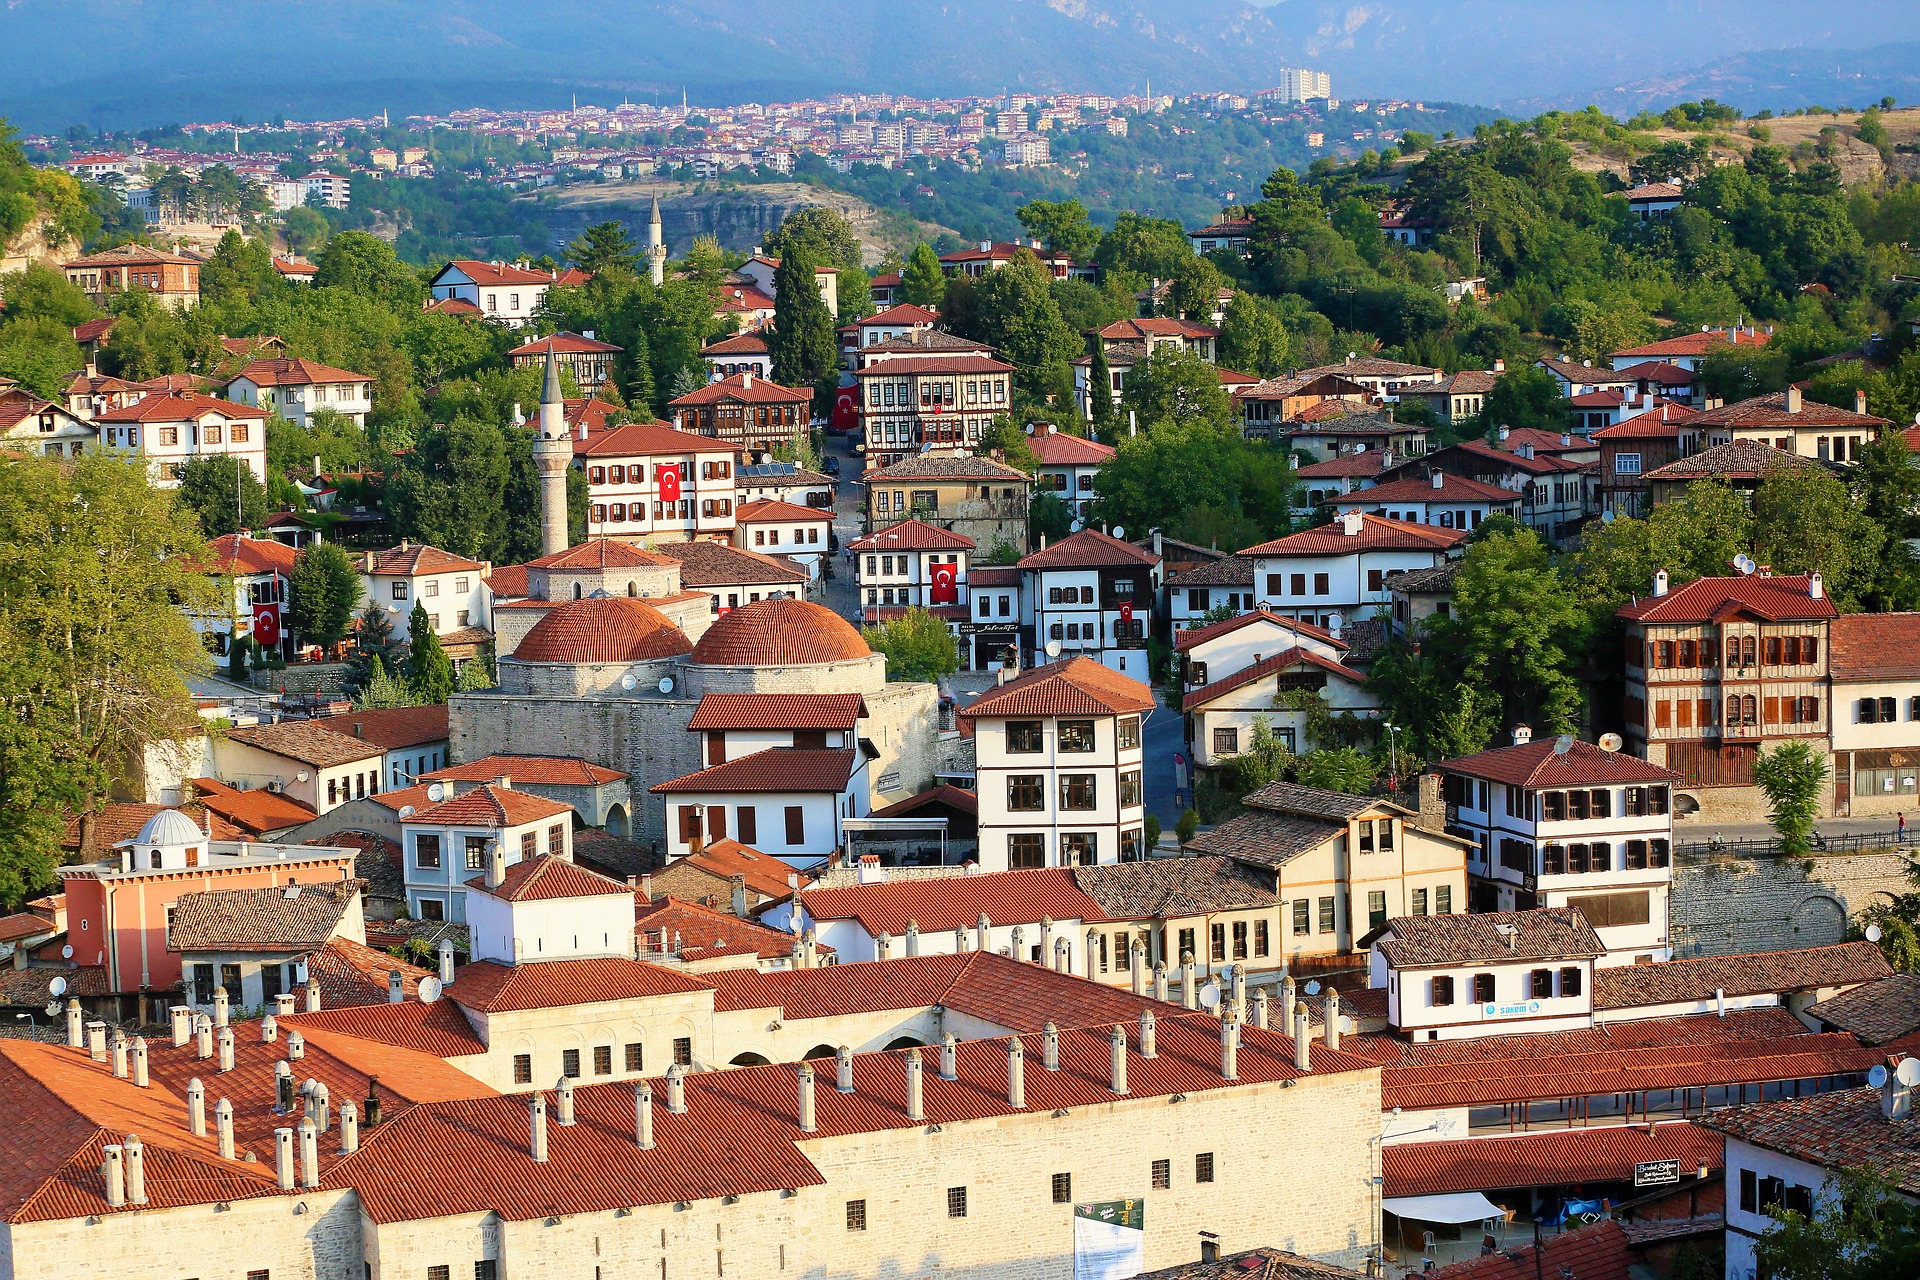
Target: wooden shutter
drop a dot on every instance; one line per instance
(796, 824)
(689, 822)
(717, 821)
(746, 819)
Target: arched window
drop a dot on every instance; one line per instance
(822, 1051)
(749, 1060)
(576, 591)
(632, 589)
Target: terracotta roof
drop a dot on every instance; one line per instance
(993, 576)
(1736, 460)
(438, 1028)
(1371, 367)
(1087, 549)
(1597, 1252)
(1546, 933)
(941, 904)
(765, 874)
(1663, 423)
(1170, 888)
(394, 727)
(509, 582)
(544, 877)
(956, 798)
(600, 553)
(1079, 686)
(705, 933)
(1377, 533)
(1229, 572)
(771, 510)
(742, 297)
(566, 771)
(913, 535)
(589, 412)
(123, 819)
(740, 344)
(1771, 410)
(563, 344)
(1255, 1264)
(24, 924)
(298, 917)
(1273, 665)
(602, 629)
(1437, 580)
(1693, 344)
(778, 711)
(1583, 374)
(1541, 764)
(490, 987)
(935, 466)
(786, 632)
(136, 255)
(296, 371)
(1658, 371)
(453, 307)
(1604, 1154)
(1186, 640)
(646, 440)
(256, 812)
(377, 861)
(747, 388)
(1780, 598)
(178, 406)
(898, 314)
(715, 564)
(485, 273)
(94, 330)
(288, 267)
(1156, 327)
(781, 769)
(916, 341)
(1654, 191)
(1843, 1130)
(351, 974)
(412, 559)
(1452, 488)
(1676, 981)
(1874, 646)
(238, 554)
(1314, 802)
(1877, 1012)
(307, 741)
(490, 806)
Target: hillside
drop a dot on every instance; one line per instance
(1779, 78)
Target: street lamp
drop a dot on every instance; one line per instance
(1393, 755)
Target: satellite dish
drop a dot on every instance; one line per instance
(1873, 933)
(666, 684)
(53, 1008)
(1606, 517)
(1563, 744)
(1120, 533)
(406, 811)
(1347, 1025)
(429, 990)
(1075, 527)
(627, 682)
(1611, 742)
(1916, 419)
(1210, 997)
(66, 952)
(1877, 1075)
(1053, 648)
(1908, 1072)
(436, 791)
(1313, 987)
(1744, 563)
(58, 986)
(300, 776)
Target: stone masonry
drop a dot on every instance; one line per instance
(1773, 904)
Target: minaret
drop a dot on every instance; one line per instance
(656, 246)
(552, 455)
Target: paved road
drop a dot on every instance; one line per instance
(839, 593)
(1688, 830)
(1165, 737)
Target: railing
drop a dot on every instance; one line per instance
(1696, 851)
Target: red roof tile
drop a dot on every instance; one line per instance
(544, 877)
(1781, 598)
(740, 344)
(295, 371)
(778, 711)
(1845, 964)
(439, 1028)
(489, 806)
(568, 771)
(768, 510)
(1377, 533)
(897, 315)
(1186, 640)
(941, 904)
(415, 558)
(724, 859)
(913, 535)
(1545, 1159)
(1692, 344)
(783, 632)
(1452, 488)
(1598, 1252)
(177, 406)
(490, 987)
(1874, 646)
(258, 811)
(501, 273)
(646, 440)
(1541, 764)
(1089, 548)
(563, 344)
(1265, 667)
(1078, 686)
(908, 366)
(238, 554)
(602, 629)
(746, 388)
(393, 727)
(781, 769)
(352, 974)
(705, 933)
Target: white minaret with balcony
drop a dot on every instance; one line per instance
(552, 455)
(656, 246)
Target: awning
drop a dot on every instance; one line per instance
(1460, 1206)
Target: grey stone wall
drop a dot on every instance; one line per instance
(1774, 904)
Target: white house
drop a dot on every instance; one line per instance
(295, 388)
(647, 482)
(733, 726)
(260, 570)
(1337, 573)
(1093, 594)
(448, 843)
(1564, 823)
(503, 291)
(1221, 717)
(1069, 467)
(773, 528)
(1221, 649)
(912, 564)
(33, 425)
(172, 428)
(452, 589)
(546, 907)
(786, 801)
(1060, 769)
(1457, 977)
(1443, 500)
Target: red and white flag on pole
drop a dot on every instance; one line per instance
(669, 478)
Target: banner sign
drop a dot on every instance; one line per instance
(1656, 1173)
(669, 478)
(1109, 1240)
(1518, 1009)
(266, 625)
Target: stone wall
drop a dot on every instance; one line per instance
(302, 677)
(1772, 904)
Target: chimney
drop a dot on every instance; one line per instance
(1660, 580)
(913, 937)
(805, 1099)
(1793, 399)
(1046, 939)
(1816, 586)
(1499, 366)
(349, 1127)
(139, 1062)
(309, 1154)
(883, 946)
(1137, 966)
(1351, 523)
(1503, 434)
(319, 1104)
(296, 1045)
(1439, 478)
(1016, 1074)
(1287, 995)
(180, 1014)
(916, 1102)
(1260, 1008)
(371, 1112)
(282, 1087)
(202, 1036)
(220, 1001)
(136, 1158)
(986, 246)
(643, 1115)
(446, 961)
(223, 1126)
(949, 1057)
(646, 886)
(843, 1069)
(746, 380)
(396, 991)
(1189, 995)
(1525, 450)
(115, 1170)
(1229, 1048)
(1860, 402)
(983, 934)
(1063, 955)
(1149, 1026)
(1160, 981)
(676, 1090)
(537, 1127)
(196, 1108)
(226, 1049)
(496, 865)
(118, 1053)
(1117, 1046)
(97, 1041)
(1522, 735)
(283, 1158)
(269, 1029)
(1331, 1016)
(563, 1102)
(359, 729)
(313, 995)
(1050, 1047)
(1302, 1038)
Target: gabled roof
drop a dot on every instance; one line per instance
(1079, 686)
(496, 273)
(1735, 460)
(178, 406)
(1838, 1131)
(1377, 533)
(739, 344)
(934, 466)
(134, 255)
(1285, 660)
(306, 741)
(726, 858)
(1542, 764)
(296, 371)
(1583, 374)
(1186, 640)
(961, 362)
(745, 387)
(1681, 981)
(1360, 465)
(395, 727)
(898, 314)
(1658, 371)
(706, 933)
(488, 805)
(1156, 327)
(546, 877)
(707, 565)
(1692, 344)
(1545, 933)
(1088, 549)
(1597, 1252)
(1539, 464)
(565, 771)
(913, 535)
(1874, 646)
(257, 811)
(238, 554)
(770, 510)
(488, 986)
(411, 559)
(1452, 488)
(778, 711)
(646, 439)
(941, 904)
(563, 344)
(1058, 449)
(1654, 191)
(294, 918)
(1779, 598)
(792, 770)
(1877, 1012)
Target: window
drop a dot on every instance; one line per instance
(1262, 940)
(748, 819)
(1419, 902)
(1326, 915)
(1076, 791)
(1483, 988)
(1440, 992)
(1025, 737)
(1079, 849)
(1626, 464)
(856, 1215)
(603, 1060)
(1127, 732)
(1297, 582)
(1540, 984)
(683, 1051)
(400, 591)
(1133, 845)
(486, 1269)
(1217, 942)
(529, 845)
(523, 1068)
(1026, 793)
(432, 909)
(1226, 742)
(1063, 1188)
(426, 852)
(1376, 908)
(1750, 1191)
(476, 852)
(1239, 939)
(956, 1202)
(1131, 791)
(1076, 736)
(1203, 1167)
(1570, 981)
(439, 1273)
(557, 839)
(1162, 1175)
(1026, 849)
(1443, 900)
(1320, 587)
(796, 824)
(634, 1057)
(570, 1063)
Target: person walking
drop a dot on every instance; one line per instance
(1900, 831)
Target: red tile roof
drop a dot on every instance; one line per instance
(1545, 1159)
(1273, 665)
(1781, 598)
(485, 273)
(768, 510)
(122, 820)
(307, 741)
(1059, 449)
(544, 877)
(1874, 646)
(567, 771)
(784, 632)
(439, 1028)
(1156, 327)
(1597, 1252)
(352, 974)
(782, 769)
(1845, 964)
(1541, 764)
(706, 933)
(1663, 423)
(563, 344)
(1452, 488)
(394, 727)
(1078, 686)
(1692, 344)
(490, 987)
(602, 629)
(939, 905)
(765, 874)
(94, 330)
(1377, 533)
(1186, 640)
(1658, 371)
(599, 553)
(296, 371)
(1654, 191)
(238, 554)
(744, 387)
(1088, 549)
(453, 307)
(913, 535)
(258, 811)
(899, 314)
(778, 711)
(646, 440)
(490, 806)
(411, 559)
(909, 366)
(1839, 1131)
(740, 344)
(178, 406)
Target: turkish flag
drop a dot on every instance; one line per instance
(266, 625)
(1126, 612)
(669, 478)
(846, 409)
(946, 584)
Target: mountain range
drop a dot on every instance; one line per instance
(121, 63)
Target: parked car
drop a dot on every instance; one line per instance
(831, 466)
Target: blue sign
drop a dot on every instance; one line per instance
(1518, 1009)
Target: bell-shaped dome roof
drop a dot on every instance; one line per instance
(780, 633)
(603, 629)
(170, 827)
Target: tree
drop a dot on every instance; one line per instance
(304, 229)
(1187, 826)
(237, 649)
(1528, 397)
(1014, 312)
(1195, 291)
(367, 265)
(101, 575)
(382, 690)
(1516, 629)
(1791, 776)
(922, 282)
(803, 346)
(1175, 386)
(322, 590)
(1861, 1229)
(1100, 391)
(605, 251)
(1063, 226)
(372, 639)
(1340, 769)
(818, 234)
(240, 270)
(223, 493)
(39, 353)
(1254, 338)
(429, 670)
(1805, 519)
(918, 646)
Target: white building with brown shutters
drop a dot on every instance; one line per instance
(790, 802)
(772, 528)
(452, 589)
(1337, 573)
(297, 388)
(1460, 977)
(1090, 593)
(749, 414)
(648, 483)
(912, 565)
(172, 428)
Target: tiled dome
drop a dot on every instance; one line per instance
(779, 633)
(603, 629)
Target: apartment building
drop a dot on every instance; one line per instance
(1090, 593)
(172, 428)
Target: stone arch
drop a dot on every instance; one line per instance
(821, 1051)
(906, 1042)
(618, 822)
(633, 589)
(1819, 919)
(578, 591)
(749, 1060)
(1684, 804)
